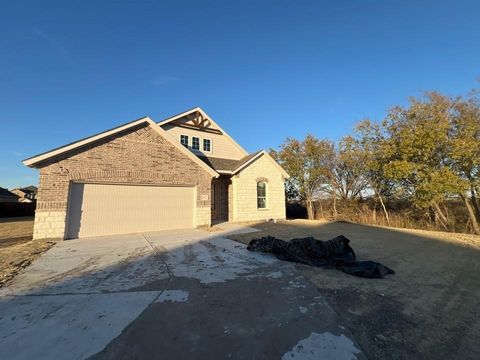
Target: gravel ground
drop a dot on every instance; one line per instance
(17, 249)
(427, 310)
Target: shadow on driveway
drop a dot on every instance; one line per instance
(174, 295)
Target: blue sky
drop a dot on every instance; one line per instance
(264, 70)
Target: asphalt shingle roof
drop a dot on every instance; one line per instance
(219, 164)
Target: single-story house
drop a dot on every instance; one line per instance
(7, 196)
(183, 172)
(26, 194)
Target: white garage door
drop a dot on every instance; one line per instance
(97, 209)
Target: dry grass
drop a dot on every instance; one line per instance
(299, 228)
(402, 214)
(11, 228)
(17, 249)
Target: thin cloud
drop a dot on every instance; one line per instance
(16, 153)
(55, 45)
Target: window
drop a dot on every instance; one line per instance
(184, 140)
(261, 195)
(195, 143)
(207, 145)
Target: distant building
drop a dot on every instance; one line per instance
(26, 194)
(8, 196)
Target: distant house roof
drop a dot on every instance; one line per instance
(6, 192)
(30, 188)
(26, 190)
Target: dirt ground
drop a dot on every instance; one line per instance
(428, 310)
(17, 249)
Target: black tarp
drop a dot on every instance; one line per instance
(335, 253)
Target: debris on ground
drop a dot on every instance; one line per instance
(334, 253)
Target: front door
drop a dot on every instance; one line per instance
(220, 199)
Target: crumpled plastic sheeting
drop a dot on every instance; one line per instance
(334, 253)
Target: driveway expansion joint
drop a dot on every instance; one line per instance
(167, 266)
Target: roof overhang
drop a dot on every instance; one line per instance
(252, 160)
(35, 160)
(204, 115)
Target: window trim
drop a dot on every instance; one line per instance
(201, 145)
(188, 140)
(193, 148)
(262, 197)
(210, 145)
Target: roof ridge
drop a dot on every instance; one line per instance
(178, 114)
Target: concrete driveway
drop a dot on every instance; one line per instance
(169, 295)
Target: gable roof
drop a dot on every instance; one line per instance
(212, 165)
(205, 115)
(6, 192)
(27, 190)
(32, 161)
(218, 164)
(231, 167)
(31, 188)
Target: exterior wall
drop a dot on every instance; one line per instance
(137, 156)
(221, 146)
(244, 192)
(49, 224)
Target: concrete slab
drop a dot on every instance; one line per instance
(90, 265)
(66, 326)
(182, 294)
(323, 346)
(229, 228)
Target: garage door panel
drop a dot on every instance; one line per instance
(98, 209)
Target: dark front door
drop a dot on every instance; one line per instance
(220, 198)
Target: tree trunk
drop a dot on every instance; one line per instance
(383, 207)
(335, 214)
(438, 220)
(471, 214)
(440, 217)
(431, 214)
(475, 204)
(310, 209)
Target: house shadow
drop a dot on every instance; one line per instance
(137, 297)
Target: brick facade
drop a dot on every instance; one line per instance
(243, 192)
(139, 155)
